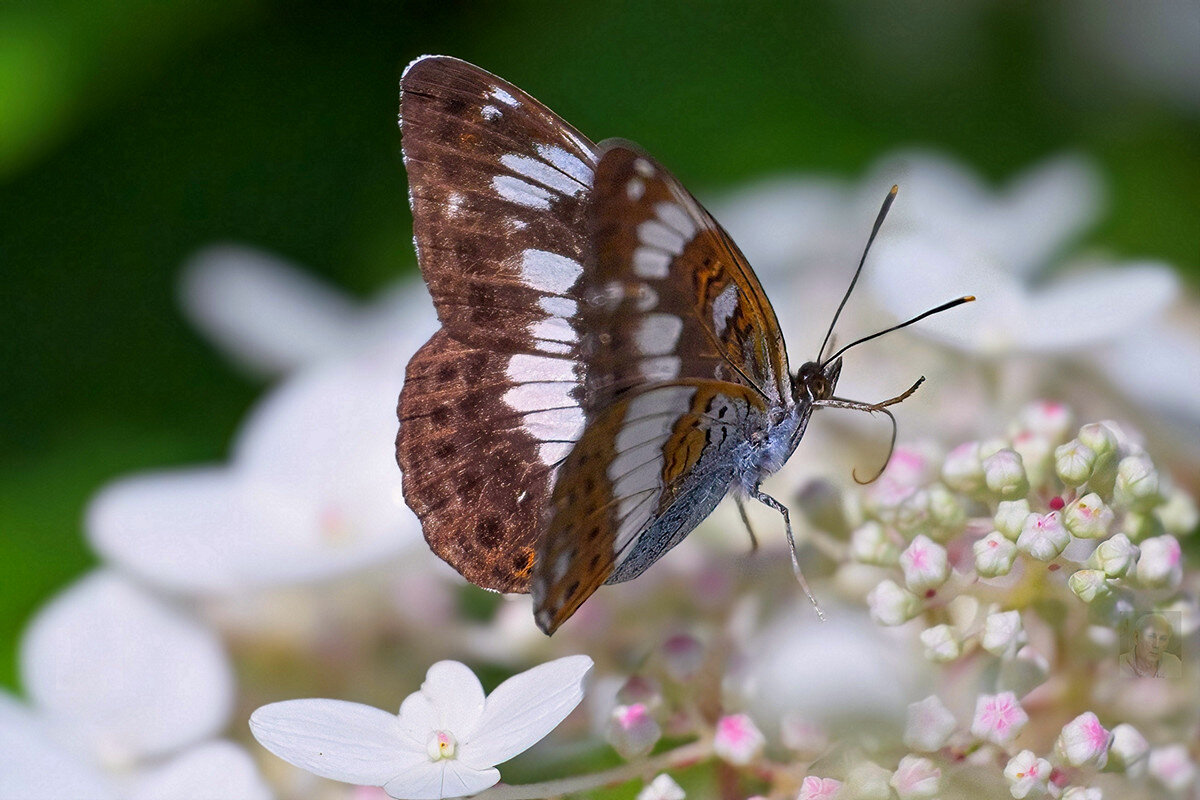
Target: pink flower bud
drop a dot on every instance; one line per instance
(662, 787)
(1047, 418)
(1172, 767)
(632, 731)
(683, 655)
(963, 468)
(916, 778)
(1084, 742)
(1043, 536)
(994, 555)
(925, 564)
(738, 740)
(1088, 518)
(998, 718)
(813, 788)
(1160, 563)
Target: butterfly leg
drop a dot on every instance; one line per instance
(746, 521)
(771, 502)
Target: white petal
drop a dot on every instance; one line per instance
(1098, 305)
(524, 709)
(430, 780)
(457, 696)
(1043, 209)
(266, 314)
(192, 530)
(1157, 366)
(35, 766)
(214, 769)
(336, 739)
(131, 674)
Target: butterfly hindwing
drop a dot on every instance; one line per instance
(499, 187)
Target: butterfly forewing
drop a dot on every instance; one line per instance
(499, 187)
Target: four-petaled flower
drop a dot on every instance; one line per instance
(1026, 773)
(738, 740)
(814, 788)
(1084, 741)
(446, 740)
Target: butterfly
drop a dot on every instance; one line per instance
(608, 366)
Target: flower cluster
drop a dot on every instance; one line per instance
(1021, 564)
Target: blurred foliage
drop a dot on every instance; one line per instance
(133, 132)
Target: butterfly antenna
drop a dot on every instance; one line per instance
(943, 307)
(887, 204)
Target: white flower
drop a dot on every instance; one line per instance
(1003, 633)
(738, 740)
(998, 717)
(1004, 474)
(1090, 585)
(916, 778)
(953, 236)
(925, 564)
(892, 604)
(1028, 775)
(272, 318)
(1128, 750)
(994, 555)
(312, 491)
(1160, 562)
(929, 725)
(446, 740)
(1172, 767)
(663, 787)
(1084, 741)
(941, 643)
(1043, 536)
(1088, 517)
(118, 681)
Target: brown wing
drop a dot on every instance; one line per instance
(672, 293)
(499, 187)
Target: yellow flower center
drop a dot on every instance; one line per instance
(442, 744)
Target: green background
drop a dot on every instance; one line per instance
(133, 133)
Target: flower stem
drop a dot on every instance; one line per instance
(679, 757)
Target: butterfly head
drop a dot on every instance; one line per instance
(816, 381)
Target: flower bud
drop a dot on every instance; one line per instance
(941, 643)
(998, 718)
(928, 725)
(1010, 517)
(1003, 633)
(1004, 474)
(962, 470)
(871, 543)
(1084, 742)
(868, 781)
(925, 564)
(1099, 438)
(1138, 526)
(738, 740)
(1128, 750)
(1115, 556)
(683, 655)
(1073, 462)
(994, 555)
(1171, 766)
(1137, 483)
(1027, 775)
(912, 514)
(947, 511)
(814, 788)
(1035, 454)
(1087, 517)
(803, 737)
(916, 778)
(663, 787)
(1043, 536)
(892, 605)
(1046, 418)
(1159, 563)
(1082, 793)
(1178, 514)
(640, 689)
(631, 731)
(1089, 585)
